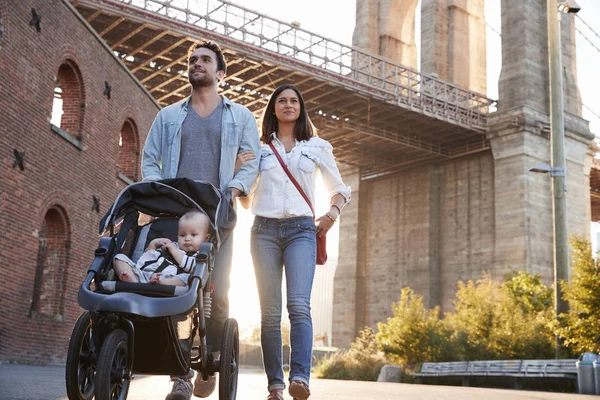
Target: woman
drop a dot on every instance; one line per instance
(284, 232)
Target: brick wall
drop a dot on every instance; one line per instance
(400, 219)
(50, 202)
(426, 228)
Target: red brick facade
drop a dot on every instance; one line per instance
(48, 229)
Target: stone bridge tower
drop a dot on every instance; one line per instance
(430, 226)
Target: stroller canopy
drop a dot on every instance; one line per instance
(174, 197)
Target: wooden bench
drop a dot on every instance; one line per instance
(515, 369)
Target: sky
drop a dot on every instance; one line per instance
(335, 19)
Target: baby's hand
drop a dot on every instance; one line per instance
(170, 247)
(158, 243)
(155, 278)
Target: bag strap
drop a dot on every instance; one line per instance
(289, 174)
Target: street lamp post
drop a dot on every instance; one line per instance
(557, 145)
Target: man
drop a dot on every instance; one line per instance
(199, 138)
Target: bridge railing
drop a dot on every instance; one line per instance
(407, 87)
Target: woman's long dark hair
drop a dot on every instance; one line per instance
(304, 128)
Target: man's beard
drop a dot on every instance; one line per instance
(204, 81)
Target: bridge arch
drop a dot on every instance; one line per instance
(387, 28)
(397, 31)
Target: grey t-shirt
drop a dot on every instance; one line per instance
(200, 157)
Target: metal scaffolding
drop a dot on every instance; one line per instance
(379, 115)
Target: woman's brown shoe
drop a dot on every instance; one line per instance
(275, 394)
(299, 390)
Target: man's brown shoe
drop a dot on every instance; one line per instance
(275, 394)
(204, 388)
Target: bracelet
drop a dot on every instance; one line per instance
(339, 210)
(329, 216)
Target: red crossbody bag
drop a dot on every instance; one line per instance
(321, 240)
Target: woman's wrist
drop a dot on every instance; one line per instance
(334, 211)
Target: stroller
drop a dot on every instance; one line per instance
(118, 334)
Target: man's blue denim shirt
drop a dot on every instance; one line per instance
(239, 133)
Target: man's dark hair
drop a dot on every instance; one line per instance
(221, 64)
(304, 128)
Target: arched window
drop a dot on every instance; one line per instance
(52, 260)
(129, 154)
(68, 106)
(3, 22)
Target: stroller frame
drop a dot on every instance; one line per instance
(103, 355)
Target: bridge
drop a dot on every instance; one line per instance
(465, 202)
(379, 115)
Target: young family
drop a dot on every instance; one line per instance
(210, 138)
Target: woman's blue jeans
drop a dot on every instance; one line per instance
(276, 244)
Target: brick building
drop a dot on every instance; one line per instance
(80, 144)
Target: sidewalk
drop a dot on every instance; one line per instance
(25, 382)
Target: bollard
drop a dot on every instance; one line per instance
(585, 373)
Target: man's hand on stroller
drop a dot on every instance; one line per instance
(234, 193)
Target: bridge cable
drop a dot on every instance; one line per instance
(588, 39)
(588, 25)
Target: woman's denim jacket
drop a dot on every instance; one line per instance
(238, 133)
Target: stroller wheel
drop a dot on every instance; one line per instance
(80, 372)
(230, 355)
(113, 376)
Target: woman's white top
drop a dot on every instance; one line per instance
(276, 196)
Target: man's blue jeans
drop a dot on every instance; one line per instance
(276, 244)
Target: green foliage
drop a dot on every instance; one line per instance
(362, 362)
(472, 324)
(492, 320)
(529, 292)
(580, 328)
(414, 334)
(502, 321)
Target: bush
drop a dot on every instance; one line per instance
(362, 361)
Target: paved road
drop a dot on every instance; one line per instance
(19, 382)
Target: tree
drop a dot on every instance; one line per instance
(502, 321)
(529, 292)
(580, 328)
(414, 334)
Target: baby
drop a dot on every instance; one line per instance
(166, 262)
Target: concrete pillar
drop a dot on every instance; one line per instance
(453, 44)
(349, 297)
(387, 28)
(519, 137)
(572, 96)
(524, 75)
